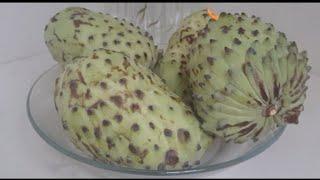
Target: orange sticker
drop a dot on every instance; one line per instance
(212, 14)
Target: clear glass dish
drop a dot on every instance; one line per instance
(44, 119)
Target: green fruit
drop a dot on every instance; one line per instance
(121, 112)
(246, 78)
(77, 31)
(172, 67)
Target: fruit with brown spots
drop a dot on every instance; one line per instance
(249, 80)
(172, 67)
(76, 31)
(140, 119)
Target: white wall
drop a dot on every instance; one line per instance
(22, 24)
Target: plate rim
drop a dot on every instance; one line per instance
(199, 169)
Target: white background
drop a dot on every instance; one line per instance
(24, 56)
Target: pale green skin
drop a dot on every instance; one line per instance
(155, 94)
(67, 39)
(172, 67)
(228, 85)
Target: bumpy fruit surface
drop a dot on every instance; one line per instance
(76, 31)
(172, 67)
(246, 78)
(122, 113)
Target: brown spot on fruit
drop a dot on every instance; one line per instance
(133, 149)
(212, 41)
(171, 157)
(73, 88)
(102, 103)
(117, 100)
(64, 125)
(108, 61)
(88, 94)
(116, 42)
(134, 107)
(225, 29)
(227, 50)
(189, 38)
(139, 94)
(118, 117)
(90, 112)
(255, 32)
(74, 109)
(106, 122)
(53, 19)
(90, 37)
(110, 143)
(125, 63)
(239, 19)
(81, 77)
(185, 165)
(207, 77)
(84, 129)
(198, 147)
(137, 56)
(97, 132)
(128, 44)
(151, 125)
(103, 85)
(123, 81)
(292, 115)
(241, 124)
(167, 132)
(183, 135)
(210, 60)
(263, 93)
(156, 147)
(135, 127)
(236, 41)
(247, 130)
(241, 30)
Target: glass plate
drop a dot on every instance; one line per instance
(44, 119)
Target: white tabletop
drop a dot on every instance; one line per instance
(24, 154)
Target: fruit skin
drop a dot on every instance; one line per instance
(172, 67)
(121, 112)
(246, 78)
(76, 31)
